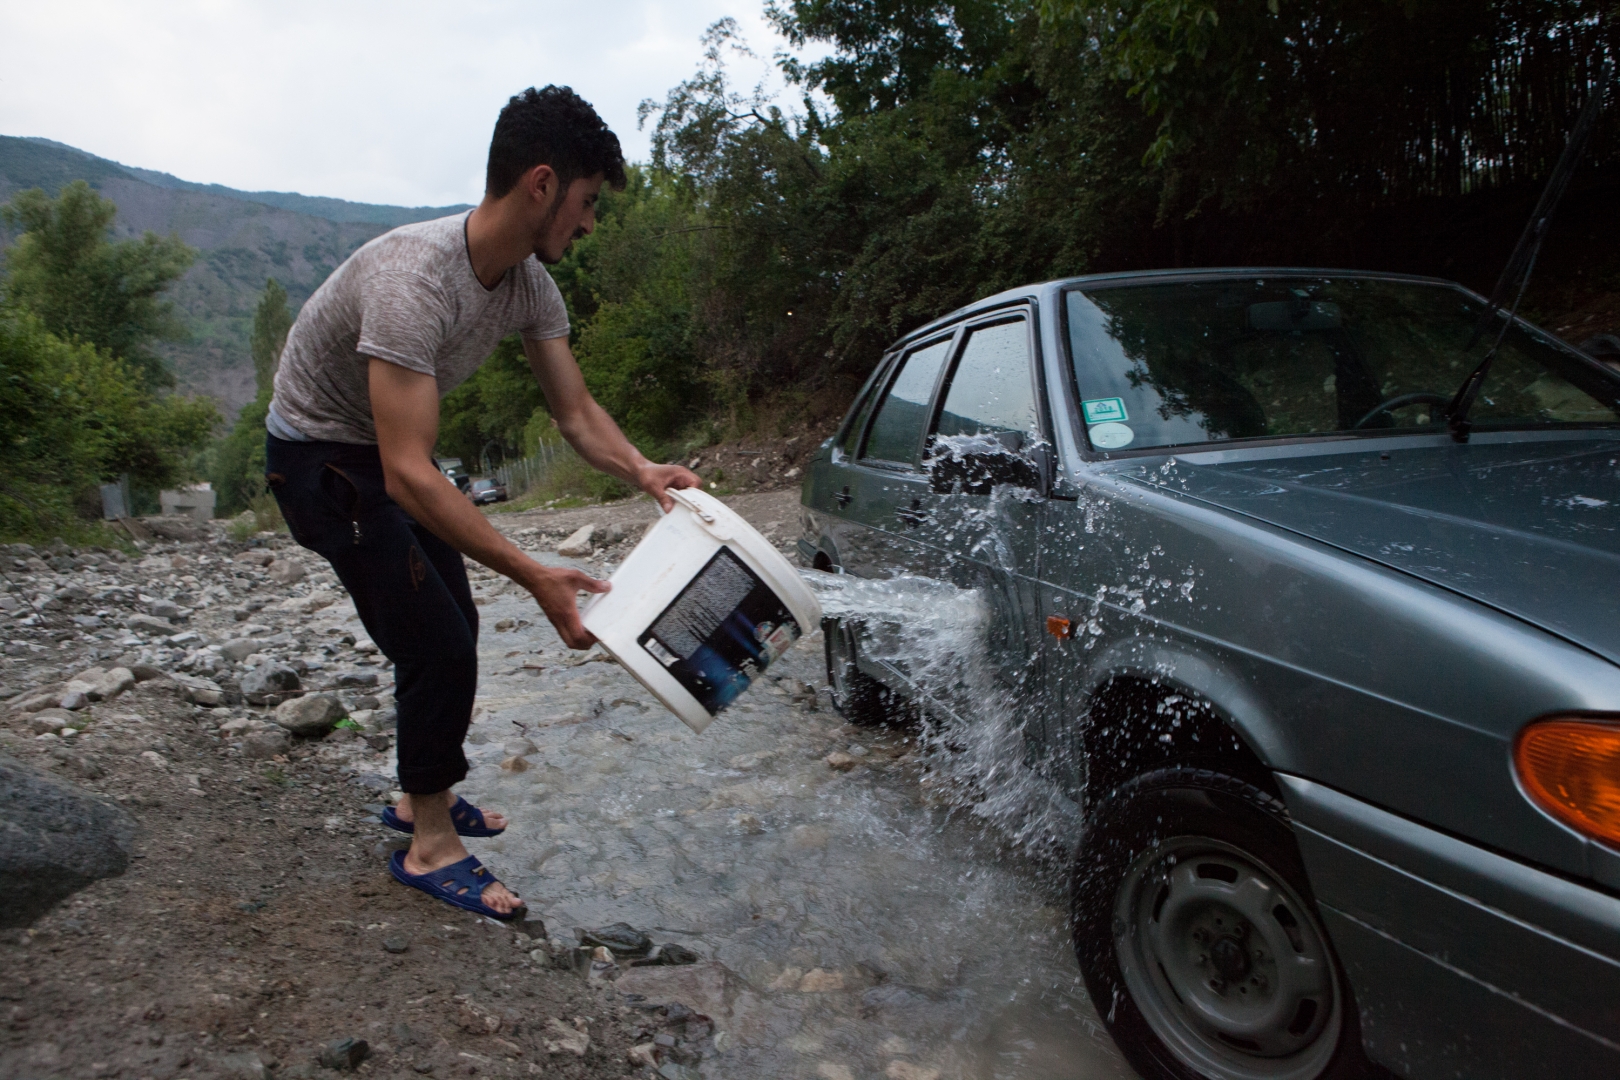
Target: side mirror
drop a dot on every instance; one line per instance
(976, 464)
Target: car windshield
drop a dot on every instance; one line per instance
(1246, 358)
(483, 485)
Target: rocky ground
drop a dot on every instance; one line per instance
(221, 693)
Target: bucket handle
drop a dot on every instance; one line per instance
(693, 505)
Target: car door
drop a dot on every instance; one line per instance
(981, 514)
(885, 483)
(829, 532)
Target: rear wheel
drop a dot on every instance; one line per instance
(858, 697)
(1199, 939)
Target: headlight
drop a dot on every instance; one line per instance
(1570, 767)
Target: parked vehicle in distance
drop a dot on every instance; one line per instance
(451, 467)
(1338, 691)
(483, 492)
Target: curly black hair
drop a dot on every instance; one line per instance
(555, 127)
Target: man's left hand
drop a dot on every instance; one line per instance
(656, 480)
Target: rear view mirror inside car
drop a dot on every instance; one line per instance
(1300, 314)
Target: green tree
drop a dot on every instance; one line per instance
(83, 285)
(271, 321)
(72, 416)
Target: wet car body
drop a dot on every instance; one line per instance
(1360, 625)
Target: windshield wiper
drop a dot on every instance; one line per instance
(1523, 260)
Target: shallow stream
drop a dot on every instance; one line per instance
(880, 921)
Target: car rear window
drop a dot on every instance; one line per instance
(897, 428)
(1182, 363)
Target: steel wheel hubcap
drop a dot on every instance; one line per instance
(1227, 963)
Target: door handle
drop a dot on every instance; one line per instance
(914, 516)
(843, 497)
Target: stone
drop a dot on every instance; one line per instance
(163, 609)
(520, 747)
(578, 545)
(75, 699)
(315, 601)
(46, 699)
(841, 761)
(819, 981)
(532, 927)
(344, 1054)
(358, 678)
(199, 691)
(263, 745)
(313, 714)
(54, 840)
(396, 943)
(270, 683)
(905, 1070)
(149, 624)
(145, 672)
(50, 720)
(621, 938)
(287, 571)
(474, 1019)
(154, 759)
(563, 1038)
(254, 557)
(646, 1054)
(110, 684)
(238, 650)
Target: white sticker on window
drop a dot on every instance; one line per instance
(1110, 436)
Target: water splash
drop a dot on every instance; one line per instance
(971, 734)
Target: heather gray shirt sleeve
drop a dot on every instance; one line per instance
(404, 319)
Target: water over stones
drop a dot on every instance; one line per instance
(796, 888)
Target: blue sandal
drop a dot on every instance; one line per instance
(467, 818)
(460, 885)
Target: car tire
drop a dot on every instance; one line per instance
(1199, 940)
(859, 698)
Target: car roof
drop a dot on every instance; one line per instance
(1145, 277)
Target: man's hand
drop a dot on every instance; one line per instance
(555, 590)
(656, 480)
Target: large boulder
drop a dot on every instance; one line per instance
(313, 714)
(54, 840)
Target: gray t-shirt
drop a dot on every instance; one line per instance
(409, 297)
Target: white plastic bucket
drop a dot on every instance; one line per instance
(701, 608)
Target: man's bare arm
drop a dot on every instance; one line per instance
(405, 406)
(590, 430)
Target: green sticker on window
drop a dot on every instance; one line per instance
(1105, 410)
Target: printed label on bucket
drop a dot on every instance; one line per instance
(722, 631)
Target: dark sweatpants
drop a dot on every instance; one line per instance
(409, 587)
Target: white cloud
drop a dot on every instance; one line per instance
(376, 102)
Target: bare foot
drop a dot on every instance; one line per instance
(494, 819)
(496, 895)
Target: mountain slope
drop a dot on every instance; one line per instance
(242, 238)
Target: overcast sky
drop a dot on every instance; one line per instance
(376, 102)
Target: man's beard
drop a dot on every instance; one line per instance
(545, 229)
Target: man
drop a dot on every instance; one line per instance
(354, 419)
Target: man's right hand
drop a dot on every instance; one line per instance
(555, 589)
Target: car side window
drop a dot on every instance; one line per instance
(897, 428)
(990, 390)
(863, 411)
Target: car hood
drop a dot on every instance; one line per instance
(1530, 528)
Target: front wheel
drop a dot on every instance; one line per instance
(1198, 938)
(858, 697)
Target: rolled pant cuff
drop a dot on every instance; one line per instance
(430, 783)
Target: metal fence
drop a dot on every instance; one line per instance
(522, 475)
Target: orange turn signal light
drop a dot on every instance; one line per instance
(1570, 767)
(1059, 627)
